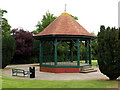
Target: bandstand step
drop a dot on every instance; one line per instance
(88, 69)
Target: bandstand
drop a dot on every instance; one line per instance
(67, 33)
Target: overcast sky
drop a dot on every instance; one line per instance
(91, 13)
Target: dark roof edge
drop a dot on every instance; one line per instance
(65, 36)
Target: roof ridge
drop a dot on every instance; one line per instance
(65, 13)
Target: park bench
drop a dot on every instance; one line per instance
(16, 71)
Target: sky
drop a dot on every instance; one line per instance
(91, 13)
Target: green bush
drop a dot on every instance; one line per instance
(109, 52)
(63, 52)
(8, 49)
(36, 49)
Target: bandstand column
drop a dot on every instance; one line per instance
(40, 55)
(55, 51)
(86, 51)
(78, 52)
(89, 51)
(71, 51)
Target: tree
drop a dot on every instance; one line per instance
(8, 49)
(36, 49)
(76, 18)
(46, 20)
(24, 45)
(94, 48)
(5, 26)
(8, 42)
(109, 52)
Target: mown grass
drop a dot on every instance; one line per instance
(94, 62)
(25, 83)
(0, 82)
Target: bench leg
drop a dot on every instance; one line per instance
(13, 74)
(27, 75)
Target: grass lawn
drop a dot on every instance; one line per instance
(94, 62)
(23, 83)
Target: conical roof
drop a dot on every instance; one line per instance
(64, 25)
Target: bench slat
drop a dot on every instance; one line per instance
(19, 71)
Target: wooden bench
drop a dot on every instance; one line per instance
(16, 71)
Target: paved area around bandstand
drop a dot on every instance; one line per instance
(52, 76)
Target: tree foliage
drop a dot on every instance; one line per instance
(109, 52)
(76, 18)
(63, 51)
(5, 26)
(36, 45)
(8, 49)
(94, 48)
(24, 45)
(46, 20)
(8, 42)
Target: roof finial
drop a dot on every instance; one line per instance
(65, 7)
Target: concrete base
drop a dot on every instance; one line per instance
(60, 70)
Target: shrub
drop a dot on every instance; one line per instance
(36, 48)
(8, 49)
(109, 52)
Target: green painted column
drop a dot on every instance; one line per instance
(40, 54)
(71, 51)
(89, 51)
(55, 51)
(78, 52)
(86, 51)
